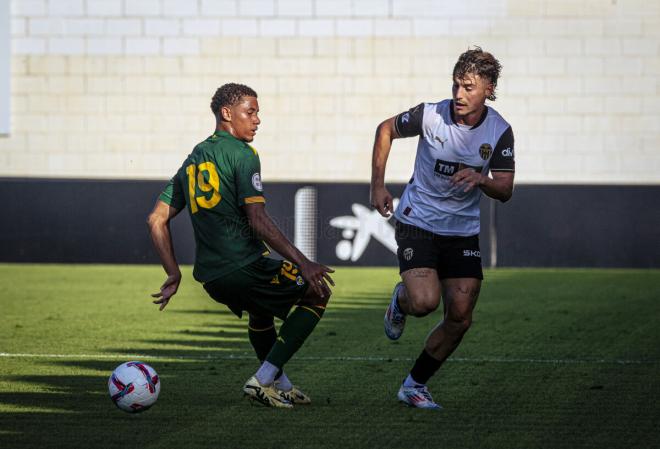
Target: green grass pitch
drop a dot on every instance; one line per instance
(555, 358)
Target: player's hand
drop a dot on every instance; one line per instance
(381, 200)
(468, 178)
(167, 290)
(317, 277)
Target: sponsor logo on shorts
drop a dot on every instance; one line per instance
(256, 182)
(408, 253)
(405, 118)
(300, 280)
(507, 152)
(471, 253)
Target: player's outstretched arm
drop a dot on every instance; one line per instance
(314, 273)
(380, 197)
(159, 228)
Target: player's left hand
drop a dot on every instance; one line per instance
(317, 276)
(467, 177)
(167, 290)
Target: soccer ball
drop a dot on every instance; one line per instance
(134, 387)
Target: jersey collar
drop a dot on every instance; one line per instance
(476, 125)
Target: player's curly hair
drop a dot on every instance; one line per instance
(478, 62)
(229, 94)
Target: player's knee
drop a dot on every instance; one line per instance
(423, 303)
(458, 325)
(314, 300)
(321, 303)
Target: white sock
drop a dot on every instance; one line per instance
(283, 383)
(266, 373)
(410, 382)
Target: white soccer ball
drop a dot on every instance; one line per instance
(134, 387)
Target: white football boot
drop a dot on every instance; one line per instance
(267, 395)
(417, 396)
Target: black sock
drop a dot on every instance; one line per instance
(425, 366)
(262, 339)
(262, 335)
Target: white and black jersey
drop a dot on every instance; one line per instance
(430, 201)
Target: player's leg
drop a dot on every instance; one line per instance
(262, 334)
(421, 298)
(295, 330)
(297, 327)
(460, 297)
(281, 292)
(419, 292)
(460, 274)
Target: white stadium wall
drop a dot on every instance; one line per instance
(120, 89)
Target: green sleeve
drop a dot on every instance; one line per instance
(173, 194)
(248, 179)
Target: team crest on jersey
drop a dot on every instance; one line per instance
(256, 182)
(485, 150)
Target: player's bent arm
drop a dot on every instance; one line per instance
(261, 223)
(267, 230)
(385, 134)
(500, 186)
(381, 198)
(159, 228)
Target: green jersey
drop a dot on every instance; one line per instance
(220, 175)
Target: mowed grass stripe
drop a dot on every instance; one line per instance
(328, 358)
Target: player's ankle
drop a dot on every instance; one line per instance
(266, 373)
(410, 382)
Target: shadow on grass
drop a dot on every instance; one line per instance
(76, 411)
(199, 369)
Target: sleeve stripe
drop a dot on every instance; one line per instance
(396, 125)
(254, 199)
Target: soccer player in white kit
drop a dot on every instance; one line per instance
(461, 142)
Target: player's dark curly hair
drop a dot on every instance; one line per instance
(479, 62)
(229, 94)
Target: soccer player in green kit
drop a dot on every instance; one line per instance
(220, 185)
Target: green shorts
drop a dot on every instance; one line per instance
(265, 287)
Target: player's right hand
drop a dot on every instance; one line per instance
(167, 290)
(317, 277)
(381, 200)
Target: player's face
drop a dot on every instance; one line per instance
(469, 94)
(244, 119)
